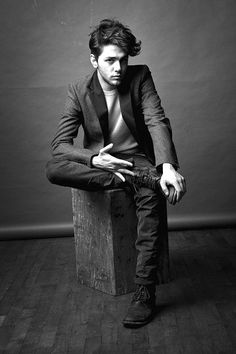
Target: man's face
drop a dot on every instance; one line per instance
(111, 65)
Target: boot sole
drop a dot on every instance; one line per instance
(136, 324)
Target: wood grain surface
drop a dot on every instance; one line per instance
(43, 309)
(105, 226)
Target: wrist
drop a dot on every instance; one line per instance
(167, 167)
(93, 160)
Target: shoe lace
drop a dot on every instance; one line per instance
(145, 178)
(141, 294)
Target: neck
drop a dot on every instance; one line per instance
(105, 85)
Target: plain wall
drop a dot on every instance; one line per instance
(189, 46)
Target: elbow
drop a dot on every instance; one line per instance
(51, 173)
(56, 171)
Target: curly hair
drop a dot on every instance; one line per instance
(111, 31)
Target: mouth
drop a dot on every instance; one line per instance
(116, 77)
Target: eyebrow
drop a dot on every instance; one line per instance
(124, 57)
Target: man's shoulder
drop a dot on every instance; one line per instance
(82, 82)
(137, 69)
(136, 74)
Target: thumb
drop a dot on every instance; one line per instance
(106, 148)
(118, 174)
(164, 187)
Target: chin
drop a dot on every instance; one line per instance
(115, 82)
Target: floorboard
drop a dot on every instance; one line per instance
(44, 310)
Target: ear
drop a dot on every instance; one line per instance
(93, 61)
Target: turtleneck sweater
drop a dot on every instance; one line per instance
(119, 133)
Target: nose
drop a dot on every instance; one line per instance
(117, 66)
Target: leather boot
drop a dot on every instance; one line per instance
(142, 307)
(150, 178)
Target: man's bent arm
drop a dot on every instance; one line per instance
(62, 144)
(157, 123)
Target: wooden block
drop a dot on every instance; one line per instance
(105, 226)
(105, 233)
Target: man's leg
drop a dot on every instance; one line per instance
(151, 232)
(151, 213)
(72, 174)
(151, 229)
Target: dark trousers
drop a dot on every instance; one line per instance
(150, 207)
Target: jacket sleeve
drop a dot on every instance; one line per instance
(67, 131)
(157, 123)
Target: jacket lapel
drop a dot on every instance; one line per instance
(126, 108)
(98, 100)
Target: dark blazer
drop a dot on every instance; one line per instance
(141, 109)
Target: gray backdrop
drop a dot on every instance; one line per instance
(189, 47)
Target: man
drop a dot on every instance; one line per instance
(127, 144)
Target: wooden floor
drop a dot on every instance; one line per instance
(44, 310)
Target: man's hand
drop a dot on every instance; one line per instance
(171, 177)
(108, 162)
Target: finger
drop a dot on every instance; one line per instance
(179, 195)
(106, 148)
(118, 174)
(164, 187)
(172, 195)
(182, 184)
(185, 187)
(123, 163)
(125, 171)
(182, 187)
(175, 198)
